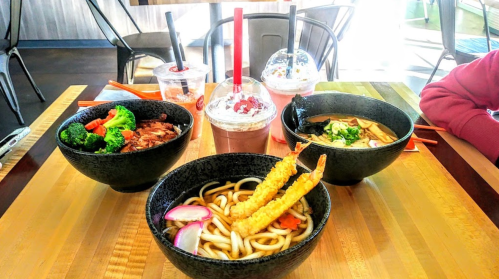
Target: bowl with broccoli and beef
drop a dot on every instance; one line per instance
(127, 144)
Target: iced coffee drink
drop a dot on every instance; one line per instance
(240, 121)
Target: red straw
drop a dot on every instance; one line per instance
(238, 49)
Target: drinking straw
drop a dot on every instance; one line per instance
(291, 39)
(238, 50)
(176, 49)
(429, 127)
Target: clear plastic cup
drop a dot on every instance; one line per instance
(302, 80)
(173, 83)
(240, 121)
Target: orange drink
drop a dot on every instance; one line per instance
(185, 88)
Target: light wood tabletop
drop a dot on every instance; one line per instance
(430, 214)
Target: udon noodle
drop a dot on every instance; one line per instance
(218, 241)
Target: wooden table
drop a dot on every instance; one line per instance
(432, 213)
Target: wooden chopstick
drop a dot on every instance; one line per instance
(429, 127)
(91, 103)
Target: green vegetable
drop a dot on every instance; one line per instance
(93, 142)
(74, 135)
(101, 151)
(341, 131)
(124, 119)
(114, 140)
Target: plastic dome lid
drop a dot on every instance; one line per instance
(303, 74)
(168, 71)
(252, 109)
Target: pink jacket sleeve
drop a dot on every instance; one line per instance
(459, 103)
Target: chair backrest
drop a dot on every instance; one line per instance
(274, 39)
(315, 40)
(447, 11)
(337, 17)
(15, 22)
(267, 36)
(105, 25)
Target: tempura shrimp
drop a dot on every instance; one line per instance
(274, 209)
(266, 190)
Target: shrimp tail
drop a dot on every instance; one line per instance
(266, 190)
(274, 209)
(298, 149)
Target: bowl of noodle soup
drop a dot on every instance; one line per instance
(348, 166)
(186, 181)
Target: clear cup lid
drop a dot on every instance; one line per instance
(302, 74)
(249, 110)
(169, 71)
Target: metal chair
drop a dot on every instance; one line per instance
(263, 42)
(134, 46)
(337, 17)
(8, 48)
(461, 50)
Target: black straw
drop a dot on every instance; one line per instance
(176, 49)
(291, 39)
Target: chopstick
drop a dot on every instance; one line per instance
(424, 140)
(91, 103)
(429, 127)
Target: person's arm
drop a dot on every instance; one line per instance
(459, 103)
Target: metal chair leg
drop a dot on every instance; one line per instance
(7, 88)
(123, 55)
(130, 69)
(23, 66)
(426, 17)
(445, 52)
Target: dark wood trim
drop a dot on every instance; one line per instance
(476, 187)
(15, 181)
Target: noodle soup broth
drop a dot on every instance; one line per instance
(350, 131)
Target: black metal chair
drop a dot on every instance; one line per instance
(461, 50)
(266, 36)
(337, 17)
(134, 46)
(8, 48)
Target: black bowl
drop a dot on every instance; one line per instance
(348, 166)
(185, 182)
(133, 171)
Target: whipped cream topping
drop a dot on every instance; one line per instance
(240, 112)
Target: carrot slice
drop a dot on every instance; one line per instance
(112, 112)
(288, 221)
(109, 117)
(127, 134)
(93, 124)
(100, 130)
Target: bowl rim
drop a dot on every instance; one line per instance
(405, 137)
(316, 231)
(184, 132)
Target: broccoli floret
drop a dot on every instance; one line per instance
(93, 142)
(65, 136)
(74, 135)
(101, 151)
(114, 140)
(124, 119)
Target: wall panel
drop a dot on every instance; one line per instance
(72, 20)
